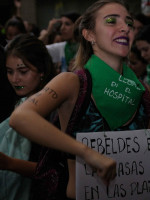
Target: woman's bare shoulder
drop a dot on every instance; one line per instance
(65, 80)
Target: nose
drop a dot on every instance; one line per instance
(14, 78)
(125, 28)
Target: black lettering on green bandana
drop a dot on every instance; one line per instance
(117, 96)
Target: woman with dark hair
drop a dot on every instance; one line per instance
(28, 68)
(63, 53)
(13, 27)
(142, 42)
(137, 63)
(8, 96)
(140, 20)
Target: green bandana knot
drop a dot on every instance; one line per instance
(117, 96)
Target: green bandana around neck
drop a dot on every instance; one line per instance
(70, 51)
(117, 96)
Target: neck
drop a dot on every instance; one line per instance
(114, 62)
(71, 40)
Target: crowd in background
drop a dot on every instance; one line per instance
(58, 31)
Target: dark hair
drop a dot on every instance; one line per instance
(87, 21)
(145, 20)
(73, 16)
(31, 50)
(16, 22)
(8, 96)
(135, 50)
(144, 34)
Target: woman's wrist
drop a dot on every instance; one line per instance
(83, 153)
(10, 164)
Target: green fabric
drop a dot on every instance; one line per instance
(117, 96)
(70, 51)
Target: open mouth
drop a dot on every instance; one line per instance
(122, 41)
(18, 87)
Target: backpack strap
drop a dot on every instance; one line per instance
(146, 99)
(83, 99)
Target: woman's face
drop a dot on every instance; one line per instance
(144, 47)
(113, 33)
(11, 32)
(137, 26)
(67, 29)
(24, 79)
(136, 64)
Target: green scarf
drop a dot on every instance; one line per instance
(117, 96)
(70, 51)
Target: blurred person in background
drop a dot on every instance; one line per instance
(140, 20)
(63, 53)
(52, 33)
(30, 27)
(13, 27)
(137, 63)
(142, 42)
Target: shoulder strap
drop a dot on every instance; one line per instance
(146, 99)
(82, 100)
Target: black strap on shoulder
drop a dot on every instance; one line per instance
(82, 100)
(146, 99)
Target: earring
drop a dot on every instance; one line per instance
(92, 43)
(41, 78)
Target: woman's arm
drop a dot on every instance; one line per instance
(28, 120)
(46, 33)
(39, 130)
(23, 167)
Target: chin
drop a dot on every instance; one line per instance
(20, 94)
(124, 54)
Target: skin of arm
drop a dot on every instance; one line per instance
(23, 167)
(28, 120)
(18, 7)
(45, 33)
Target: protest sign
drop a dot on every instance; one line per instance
(131, 150)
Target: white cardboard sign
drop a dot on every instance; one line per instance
(131, 150)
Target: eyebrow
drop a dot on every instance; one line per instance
(115, 15)
(18, 67)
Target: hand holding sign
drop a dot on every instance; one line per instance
(104, 166)
(131, 150)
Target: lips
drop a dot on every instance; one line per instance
(18, 87)
(122, 40)
(63, 33)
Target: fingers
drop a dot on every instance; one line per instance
(110, 176)
(52, 22)
(108, 173)
(105, 166)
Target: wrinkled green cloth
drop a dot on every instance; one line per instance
(117, 96)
